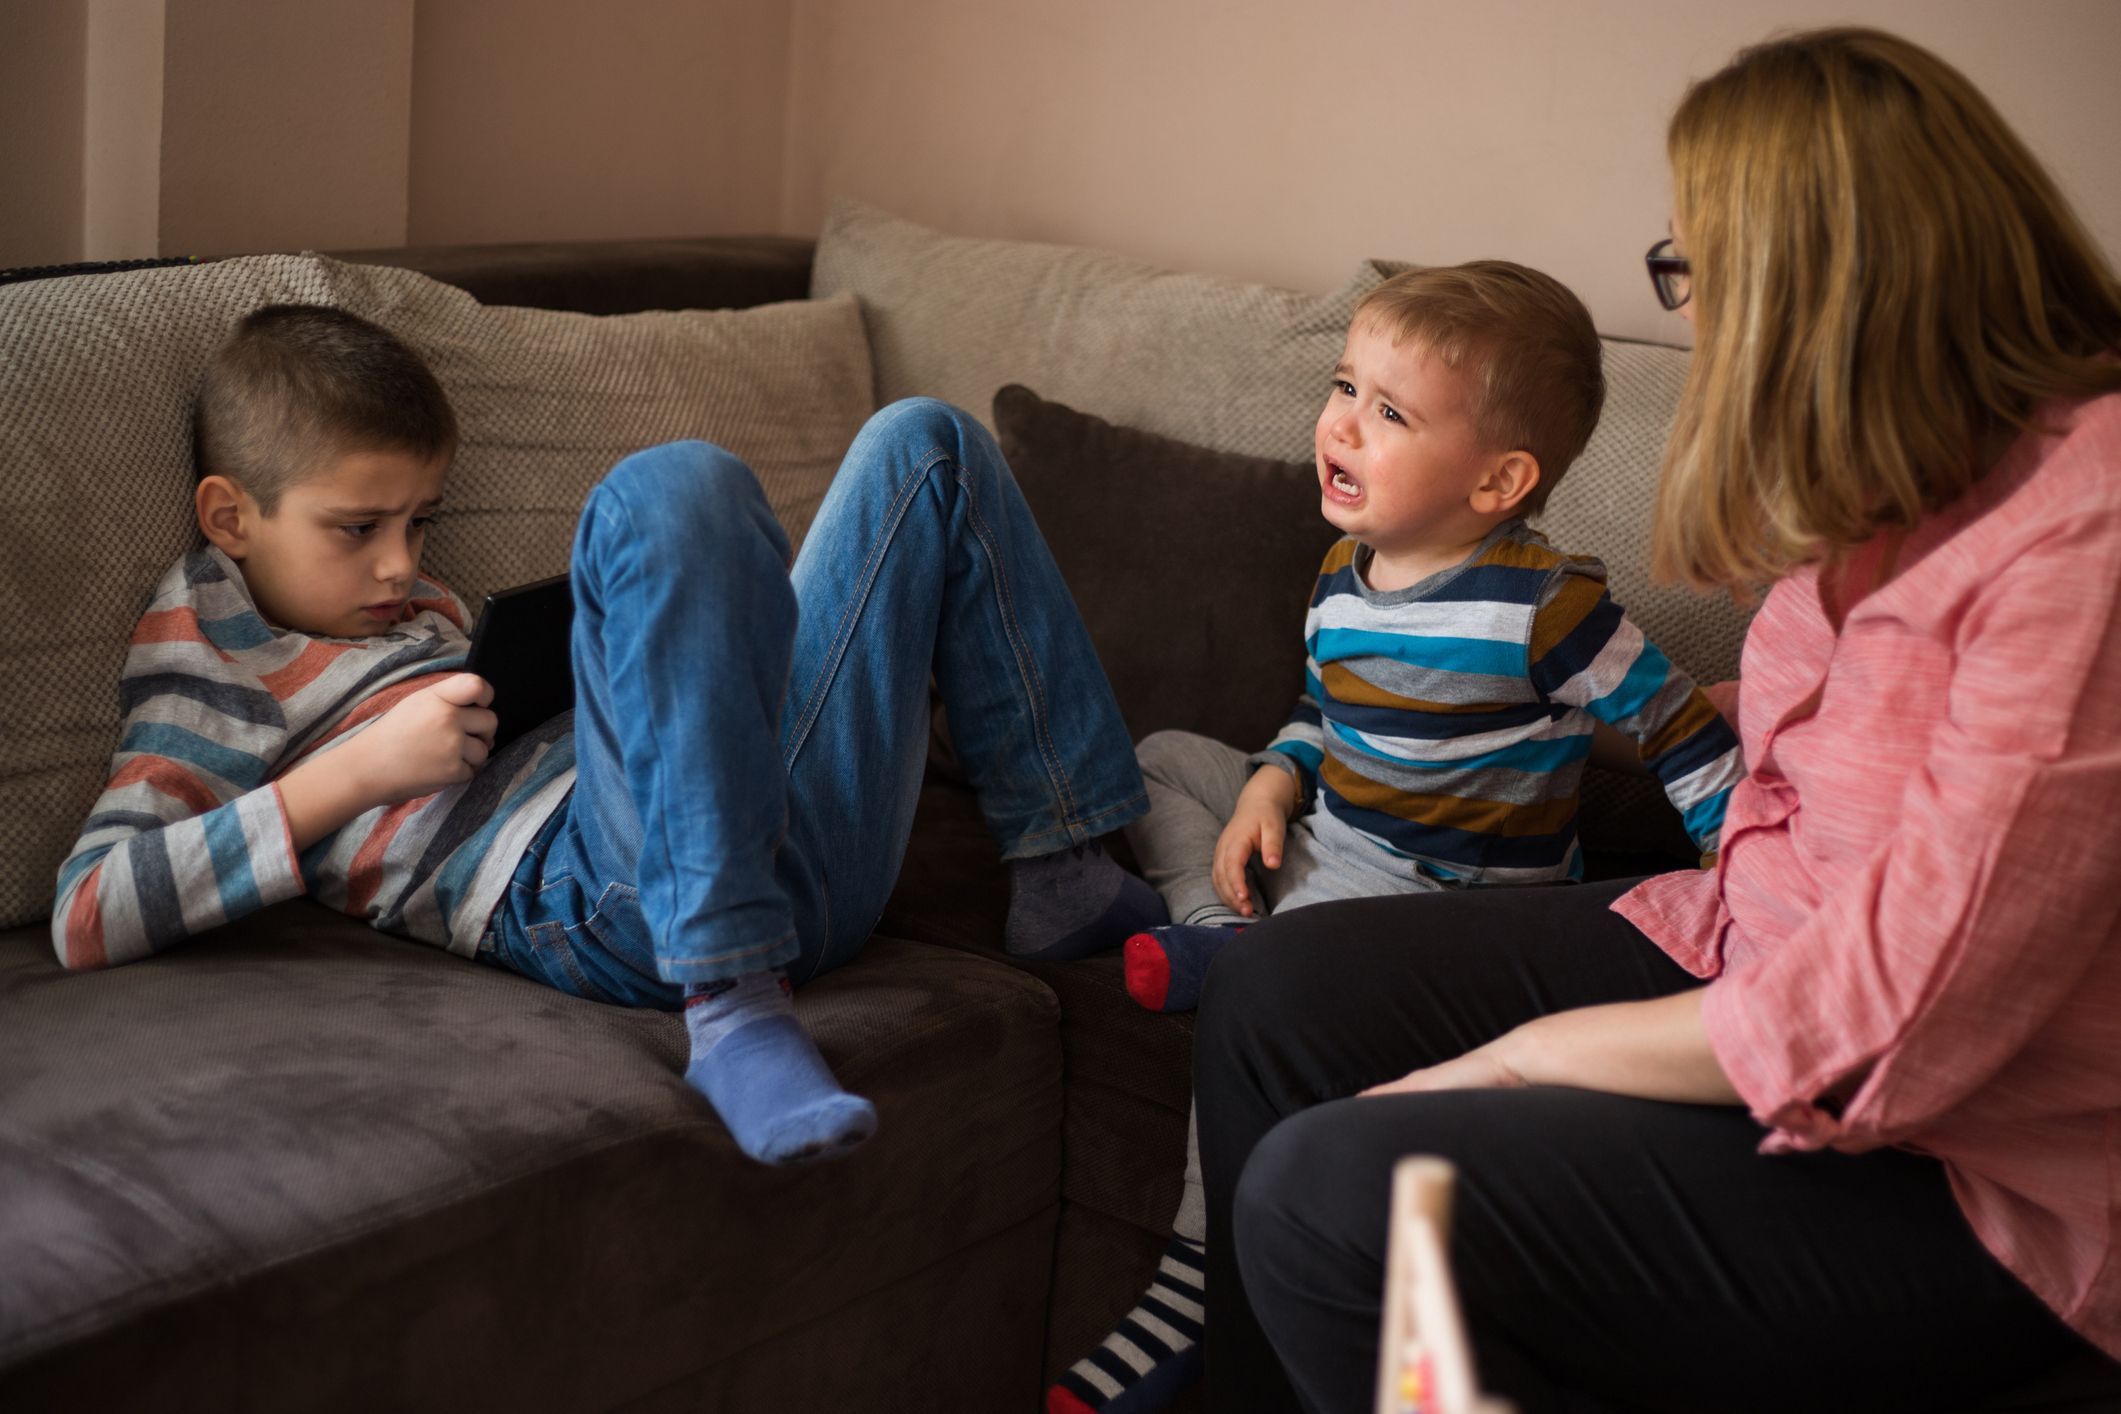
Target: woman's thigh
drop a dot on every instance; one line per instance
(1615, 1253)
(1336, 997)
(1318, 1003)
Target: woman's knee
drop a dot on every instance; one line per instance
(1310, 1215)
(1314, 1173)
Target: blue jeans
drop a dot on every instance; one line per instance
(750, 741)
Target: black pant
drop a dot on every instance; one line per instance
(1610, 1253)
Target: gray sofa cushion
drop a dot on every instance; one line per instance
(1215, 362)
(253, 1165)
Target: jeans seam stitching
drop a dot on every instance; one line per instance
(1027, 669)
(844, 633)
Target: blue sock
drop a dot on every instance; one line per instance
(754, 1061)
(1166, 966)
(1074, 902)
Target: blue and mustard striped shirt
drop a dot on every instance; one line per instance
(1448, 723)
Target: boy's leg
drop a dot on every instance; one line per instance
(924, 557)
(684, 622)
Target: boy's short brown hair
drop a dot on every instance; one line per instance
(298, 385)
(1527, 341)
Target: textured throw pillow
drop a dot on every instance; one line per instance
(97, 377)
(1214, 362)
(1192, 568)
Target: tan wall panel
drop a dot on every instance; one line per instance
(121, 164)
(284, 125)
(573, 120)
(1281, 141)
(43, 46)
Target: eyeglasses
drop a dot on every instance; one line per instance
(1671, 274)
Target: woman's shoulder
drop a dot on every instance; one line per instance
(2079, 440)
(2063, 471)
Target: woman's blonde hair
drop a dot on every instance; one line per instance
(1882, 274)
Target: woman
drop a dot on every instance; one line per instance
(1829, 1126)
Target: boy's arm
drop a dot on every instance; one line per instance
(172, 848)
(1585, 653)
(164, 855)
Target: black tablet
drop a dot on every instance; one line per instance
(522, 648)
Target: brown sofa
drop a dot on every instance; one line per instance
(294, 1164)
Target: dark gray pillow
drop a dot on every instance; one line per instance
(1192, 568)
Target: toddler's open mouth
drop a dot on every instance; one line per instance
(1340, 484)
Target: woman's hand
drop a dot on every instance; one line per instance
(1256, 826)
(1654, 1050)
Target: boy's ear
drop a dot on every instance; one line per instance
(1512, 477)
(225, 515)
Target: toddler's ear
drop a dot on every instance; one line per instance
(1513, 477)
(221, 505)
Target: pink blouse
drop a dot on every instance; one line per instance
(1917, 908)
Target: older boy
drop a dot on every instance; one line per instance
(1458, 666)
(294, 722)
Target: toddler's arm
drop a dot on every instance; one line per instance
(1587, 654)
(170, 850)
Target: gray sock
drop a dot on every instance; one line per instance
(1074, 902)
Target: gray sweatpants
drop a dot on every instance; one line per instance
(1194, 782)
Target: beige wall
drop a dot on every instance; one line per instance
(570, 120)
(1283, 141)
(43, 44)
(1273, 140)
(121, 139)
(285, 125)
(136, 127)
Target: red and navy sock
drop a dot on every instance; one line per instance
(1166, 966)
(1152, 1356)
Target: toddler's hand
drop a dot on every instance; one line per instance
(436, 738)
(1257, 826)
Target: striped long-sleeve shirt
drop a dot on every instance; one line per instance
(1447, 723)
(218, 704)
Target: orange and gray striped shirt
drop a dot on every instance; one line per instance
(1447, 724)
(218, 704)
